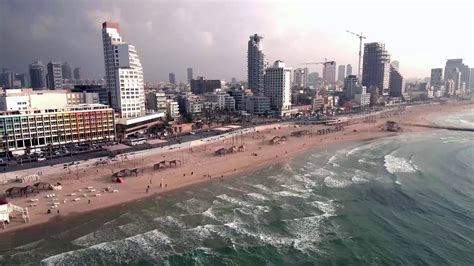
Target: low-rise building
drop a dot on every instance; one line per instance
(172, 108)
(362, 98)
(22, 130)
(257, 105)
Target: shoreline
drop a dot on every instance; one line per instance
(195, 158)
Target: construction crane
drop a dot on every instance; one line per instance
(326, 62)
(360, 36)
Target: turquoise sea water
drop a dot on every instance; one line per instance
(402, 200)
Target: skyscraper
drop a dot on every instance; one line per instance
(123, 73)
(37, 75)
(255, 64)
(395, 65)
(341, 73)
(190, 73)
(329, 72)
(450, 71)
(350, 87)
(77, 74)
(348, 70)
(396, 85)
(277, 87)
(67, 71)
(376, 67)
(471, 81)
(54, 76)
(436, 78)
(172, 78)
(300, 77)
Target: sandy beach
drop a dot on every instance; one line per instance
(83, 189)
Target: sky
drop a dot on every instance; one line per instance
(211, 36)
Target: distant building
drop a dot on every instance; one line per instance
(104, 95)
(172, 78)
(396, 84)
(351, 87)
(362, 98)
(156, 101)
(277, 87)
(456, 65)
(313, 78)
(257, 105)
(201, 85)
(238, 96)
(190, 73)
(222, 100)
(54, 76)
(436, 79)
(255, 64)
(376, 67)
(341, 73)
(66, 71)
(329, 73)
(38, 76)
(77, 74)
(471, 81)
(348, 70)
(395, 65)
(300, 77)
(7, 78)
(317, 103)
(172, 108)
(24, 80)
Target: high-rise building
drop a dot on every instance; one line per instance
(471, 81)
(255, 64)
(123, 72)
(329, 72)
(67, 71)
(350, 87)
(450, 71)
(436, 78)
(396, 85)
(7, 78)
(341, 73)
(300, 77)
(277, 87)
(24, 80)
(376, 67)
(37, 76)
(201, 85)
(77, 74)
(348, 70)
(54, 76)
(172, 78)
(395, 65)
(190, 73)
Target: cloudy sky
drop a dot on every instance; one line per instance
(211, 36)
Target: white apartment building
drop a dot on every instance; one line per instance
(277, 87)
(26, 99)
(362, 98)
(172, 108)
(123, 72)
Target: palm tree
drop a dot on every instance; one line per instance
(50, 149)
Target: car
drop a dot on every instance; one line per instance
(192, 133)
(39, 159)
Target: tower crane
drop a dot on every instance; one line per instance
(361, 37)
(326, 62)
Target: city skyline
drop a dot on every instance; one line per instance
(290, 38)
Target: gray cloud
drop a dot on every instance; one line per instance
(210, 36)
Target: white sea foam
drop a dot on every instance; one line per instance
(327, 207)
(398, 165)
(152, 244)
(233, 200)
(285, 193)
(363, 160)
(169, 221)
(297, 188)
(333, 182)
(263, 188)
(257, 196)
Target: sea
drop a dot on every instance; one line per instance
(403, 200)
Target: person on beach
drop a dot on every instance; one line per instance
(89, 202)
